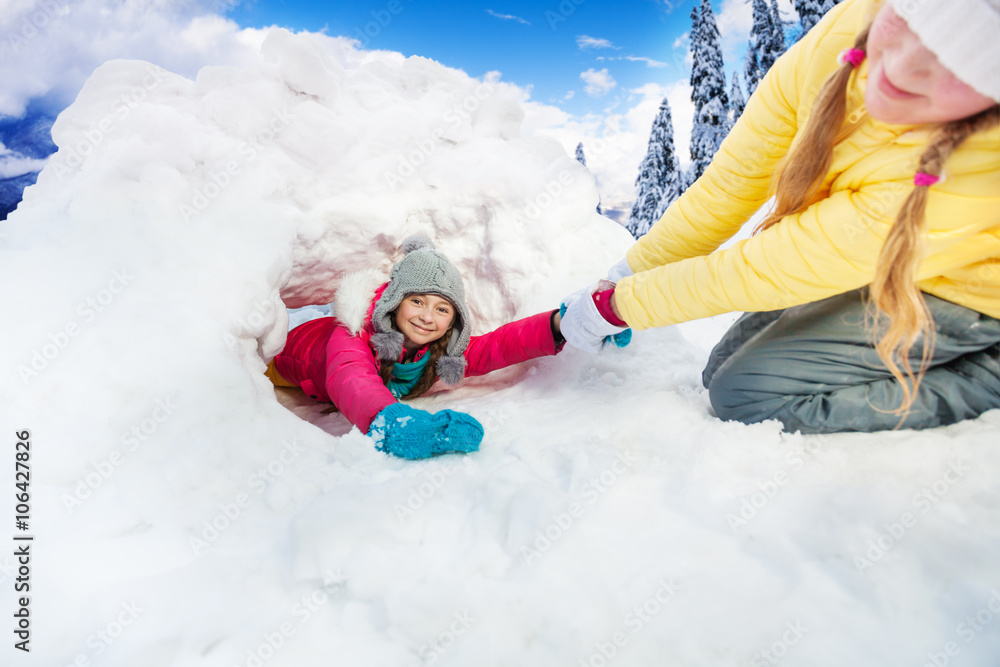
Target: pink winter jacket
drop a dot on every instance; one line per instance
(330, 363)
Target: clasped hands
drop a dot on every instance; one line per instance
(589, 318)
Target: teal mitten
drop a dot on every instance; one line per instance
(459, 432)
(410, 433)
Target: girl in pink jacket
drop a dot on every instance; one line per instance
(395, 343)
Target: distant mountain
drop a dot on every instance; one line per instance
(29, 137)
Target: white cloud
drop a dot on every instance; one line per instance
(507, 17)
(734, 18)
(588, 42)
(598, 82)
(15, 165)
(615, 143)
(637, 59)
(569, 95)
(48, 48)
(616, 140)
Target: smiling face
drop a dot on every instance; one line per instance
(423, 319)
(906, 83)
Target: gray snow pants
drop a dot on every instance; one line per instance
(813, 367)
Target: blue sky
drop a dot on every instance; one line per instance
(534, 44)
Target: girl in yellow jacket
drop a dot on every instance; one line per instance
(872, 289)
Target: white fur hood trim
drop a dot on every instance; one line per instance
(354, 297)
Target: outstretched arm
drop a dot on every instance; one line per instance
(352, 379)
(738, 180)
(513, 343)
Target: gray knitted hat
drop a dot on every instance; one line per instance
(424, 270)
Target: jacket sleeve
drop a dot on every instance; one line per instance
(834, 246)
(511, 344)
(827, 249)
(830, 248)
(352, 379)
(738, 181)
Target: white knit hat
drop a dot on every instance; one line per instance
(963, 34)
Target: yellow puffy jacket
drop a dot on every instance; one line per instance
(832, 246)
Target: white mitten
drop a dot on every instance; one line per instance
(619, 271)
(582, 325)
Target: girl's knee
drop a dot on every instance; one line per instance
(731, 399)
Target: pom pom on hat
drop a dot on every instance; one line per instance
(417, 242)
(387, 345)
(451, 369)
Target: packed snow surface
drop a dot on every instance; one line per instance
(186, 514)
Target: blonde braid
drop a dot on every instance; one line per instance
(801, 173)
(894, 289)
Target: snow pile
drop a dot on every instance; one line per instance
(184, 518)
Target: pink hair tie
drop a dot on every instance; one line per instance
(853, 56)
(921, 179)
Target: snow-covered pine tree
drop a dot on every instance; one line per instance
(702, 69)
(582, 159)
(695, 45)
(767, 42)
(708, 91)
(737, 102)
(777, 34)
(760, 39)
(711, 126)
(659, 180)
(811, 11)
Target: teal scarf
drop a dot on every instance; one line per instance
(405, 376)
